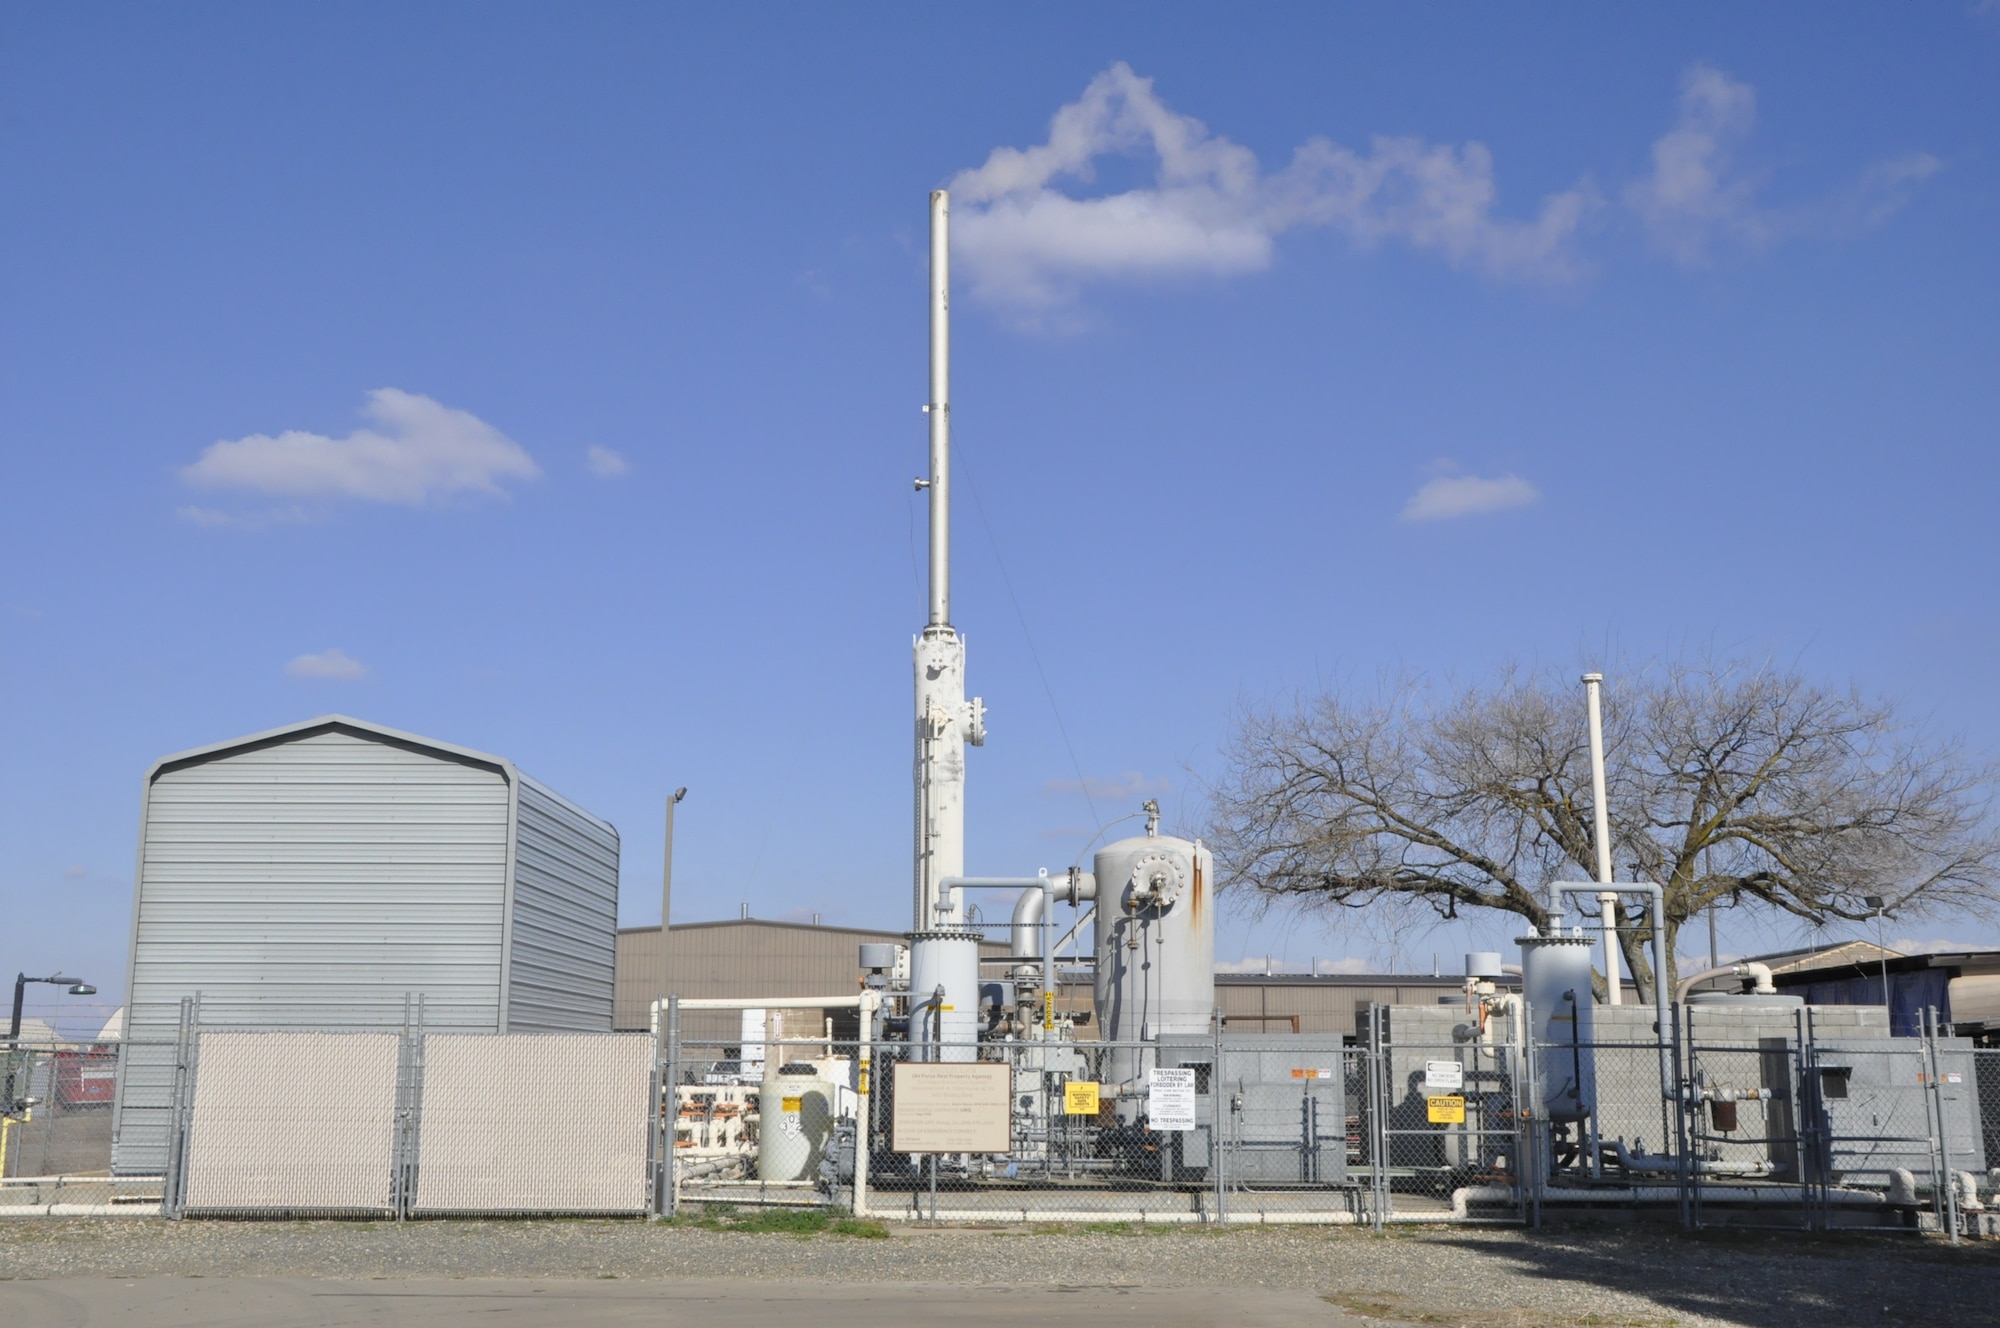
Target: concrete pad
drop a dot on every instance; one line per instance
(299, 1303)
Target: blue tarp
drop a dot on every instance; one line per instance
(1909, 995)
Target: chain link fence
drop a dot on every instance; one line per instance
(57, 1103)
(1801, 1118)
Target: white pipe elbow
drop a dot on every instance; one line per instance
(1759, 975)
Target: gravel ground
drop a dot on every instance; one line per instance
(1489, 1278)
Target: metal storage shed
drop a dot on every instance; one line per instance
(308, 877)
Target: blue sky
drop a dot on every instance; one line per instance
(1311, 341)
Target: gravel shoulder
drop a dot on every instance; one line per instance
(1487, 1278)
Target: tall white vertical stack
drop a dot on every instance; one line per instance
(946, 722)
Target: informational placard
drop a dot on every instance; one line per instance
(952, 1107)
(1079, 1098)
(1441, 1077)
(1314, 1072)
(1170, 1099)
(1448, 1110)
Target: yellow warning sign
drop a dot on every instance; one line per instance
(789, 1104)
(1446, 1110)
(1079, 1098)
(1048, 1009)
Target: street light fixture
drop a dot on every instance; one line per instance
(77, 987)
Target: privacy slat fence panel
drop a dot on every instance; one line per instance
(293, 1123)
(535, 1123)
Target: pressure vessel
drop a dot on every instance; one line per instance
(795, 1115)
(1555, 979)
(1155, 943)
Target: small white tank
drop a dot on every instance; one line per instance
(947, 959)
(1155, 942)
(1555, 979)
(794, 1117)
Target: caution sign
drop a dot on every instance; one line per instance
(1319, 1072)
(1448, 1110)
(1048, 1009)
(1079, 1098)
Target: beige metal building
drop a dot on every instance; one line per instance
(747, 957)
(1323, 1003)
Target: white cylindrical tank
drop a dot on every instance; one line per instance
(1155, 942)
(1555, 979)
(795, 1111)
(947, 960)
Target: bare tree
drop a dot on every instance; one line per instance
(1726, 782)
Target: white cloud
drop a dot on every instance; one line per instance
(1126, 786)
(1274, 965)
(210, 518)
(1213, 211)
(419, 451)
(1697, 196)
(336, 664)
(1910, 945)
(604, 463)
(1448, 496)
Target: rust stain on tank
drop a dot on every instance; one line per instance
(1194, 899)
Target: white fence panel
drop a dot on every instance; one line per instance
(535, 1123)
(293, 1122)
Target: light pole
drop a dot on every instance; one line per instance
(667, 892)
(77, 987)
(1877, 903)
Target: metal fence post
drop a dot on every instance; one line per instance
(172, 1197)
(1378, 1113)
(864, 1105)
(1683, 1073)
(1812, 1128)
(1941, 1147)
(669, 1110)
(1528, 1119)
(1216, 1080)
(409, 1106)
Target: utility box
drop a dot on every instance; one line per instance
(310, 878)
(1282, 1103)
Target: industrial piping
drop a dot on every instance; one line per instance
(667, 1013)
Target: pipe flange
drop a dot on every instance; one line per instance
(1156, 882)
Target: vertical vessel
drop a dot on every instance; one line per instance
(1155, 941)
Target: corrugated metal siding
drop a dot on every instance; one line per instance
(310, 883)
(562, 971)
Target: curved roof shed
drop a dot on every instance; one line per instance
(310, 876)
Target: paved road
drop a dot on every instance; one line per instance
(179, 1302)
